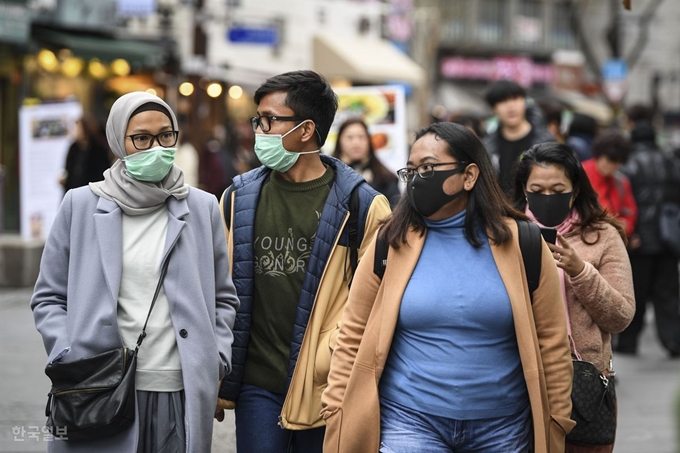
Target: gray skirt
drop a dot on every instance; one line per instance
(161, 422)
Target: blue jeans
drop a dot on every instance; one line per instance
(257, 430)
(403, 430)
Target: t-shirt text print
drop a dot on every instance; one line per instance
(282, 256)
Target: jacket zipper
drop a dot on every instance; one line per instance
(304, 338)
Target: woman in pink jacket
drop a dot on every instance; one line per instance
(552, 188)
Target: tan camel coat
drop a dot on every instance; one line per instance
(351, 404)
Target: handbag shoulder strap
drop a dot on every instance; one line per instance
(572, 343)
(142, 335)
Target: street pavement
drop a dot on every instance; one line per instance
(647, 388)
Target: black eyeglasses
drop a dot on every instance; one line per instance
(142, 142)
(425, 171)
(265, 122)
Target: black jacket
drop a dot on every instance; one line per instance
(538, 129)
(655, 178)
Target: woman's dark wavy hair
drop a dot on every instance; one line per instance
(486, 204)
(593, 217)
(380, 173)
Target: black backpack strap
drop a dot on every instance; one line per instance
(226, 208)
(380, 257)
(531, 248)
(353, 231)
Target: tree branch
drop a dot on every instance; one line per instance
(643, 34)
(586, 48)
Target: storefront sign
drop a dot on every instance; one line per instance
(615, 79)
(15, 23)
(253, 35)
(383, 109)
(136, 8)
(45, 134)
(521, 69)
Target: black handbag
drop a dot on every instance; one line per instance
(593, 399)
(94, 398)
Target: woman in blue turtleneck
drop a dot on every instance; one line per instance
(447, 352)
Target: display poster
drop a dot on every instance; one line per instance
(383, 109)
(45, 133)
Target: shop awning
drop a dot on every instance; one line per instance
(459, 100)
(148, 54)
(580, 103)
(364, 60)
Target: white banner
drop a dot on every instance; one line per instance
(45, 133)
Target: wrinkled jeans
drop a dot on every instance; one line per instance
(403, 430)
(257, 430)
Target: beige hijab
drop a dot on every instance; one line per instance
(135, 197)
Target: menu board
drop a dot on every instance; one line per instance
(383, 109)
(45, 133)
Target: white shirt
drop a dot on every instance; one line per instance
(158, 364)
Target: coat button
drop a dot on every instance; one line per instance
(183, 333)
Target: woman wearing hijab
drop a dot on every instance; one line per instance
(595, 274)
(448, 352)
(99, 272)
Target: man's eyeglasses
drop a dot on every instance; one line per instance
(143, 142)
(425, 171)
(265, 122)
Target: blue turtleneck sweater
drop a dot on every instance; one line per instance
(454, 352)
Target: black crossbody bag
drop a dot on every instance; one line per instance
(94, 398)
(593, 401)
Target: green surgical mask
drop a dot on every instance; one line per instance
(151, 165)
(270, 151)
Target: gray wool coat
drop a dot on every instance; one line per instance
(75, 298)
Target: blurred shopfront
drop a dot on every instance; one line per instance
(72, 52)
(15, 27)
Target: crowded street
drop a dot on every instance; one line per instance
(340, 226)
(647, 388)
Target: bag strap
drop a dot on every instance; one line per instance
(226, 213)
(530, 246)
(153, 302)
(572, 343)
(353, 232)
(380, 255)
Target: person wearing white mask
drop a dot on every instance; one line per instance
(288, 228)
(100, 269)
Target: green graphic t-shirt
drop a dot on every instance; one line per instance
(286, 221)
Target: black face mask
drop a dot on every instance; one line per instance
(550, 210)
(427, 196)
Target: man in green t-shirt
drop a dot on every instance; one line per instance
(288, 235)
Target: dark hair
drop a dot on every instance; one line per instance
(612, 145)
(471, 122)
(583, 124)
(380, 173)
(639, 112)
(308, 95)
(586, 204)
(643, 132)
(552, 112)
(92, 129)
(486, 205)
(502, 90)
